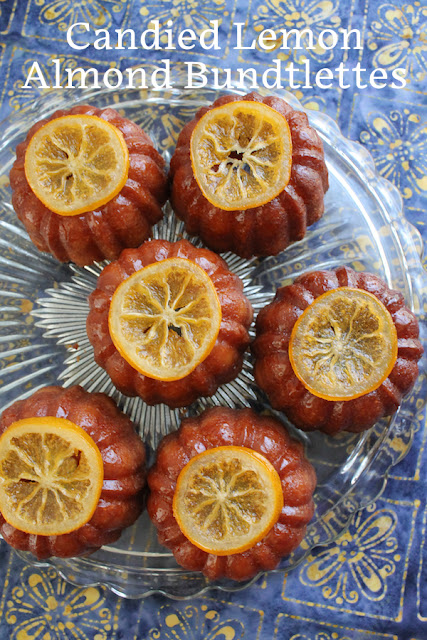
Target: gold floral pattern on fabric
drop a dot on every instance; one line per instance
(322, 635)
(399, 38)
(194, 622)
(44, 607)
(186, 14)
(315, 15)
(64, 13)
(360, 562)
(398, 142)
(7, 12)
(290, 627)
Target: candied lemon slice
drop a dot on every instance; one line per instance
(51, 475)
(241, 154)
(227, 499)
(76, 163)
(344, 345)
(165, 319)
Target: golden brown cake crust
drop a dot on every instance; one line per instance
(224, 361)
(274, 373)
(263, 230)
(123, 454)
(125, 221)
(218, 427)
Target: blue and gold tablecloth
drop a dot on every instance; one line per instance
(363, 586)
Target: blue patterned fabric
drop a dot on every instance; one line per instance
(371, 583)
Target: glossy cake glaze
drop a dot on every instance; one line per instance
(123, 455)
(263, 230)
(222, 364)
(217, 427)
(274, 373)
(125, 221)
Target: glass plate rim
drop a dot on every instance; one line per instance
(381, 187)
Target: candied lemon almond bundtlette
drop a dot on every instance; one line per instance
(72, 472)
(248, 175)
(230, 493)
(87, 183)
(169, 322)
(336, 350)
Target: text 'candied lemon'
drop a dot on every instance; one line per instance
(164, 319)
(241, 154)
(344, 345)
(51, 475)
(76, 163)
(227, 499)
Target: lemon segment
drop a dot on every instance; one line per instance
(241, 154)
(51, 475)
(344, 345)
(164, 319)
(227, 499)
(76, 163)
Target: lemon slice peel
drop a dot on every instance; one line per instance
(227, 499)
(76, 163)
(51, 476)
(241, 154)
(344, 345)
(165, 318)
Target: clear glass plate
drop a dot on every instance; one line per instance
(43, 308)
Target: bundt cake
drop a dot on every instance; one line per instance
(104, 231)
(122, 455)
(263, 230)
(230, 440)
(362, 348)
(155, 331)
